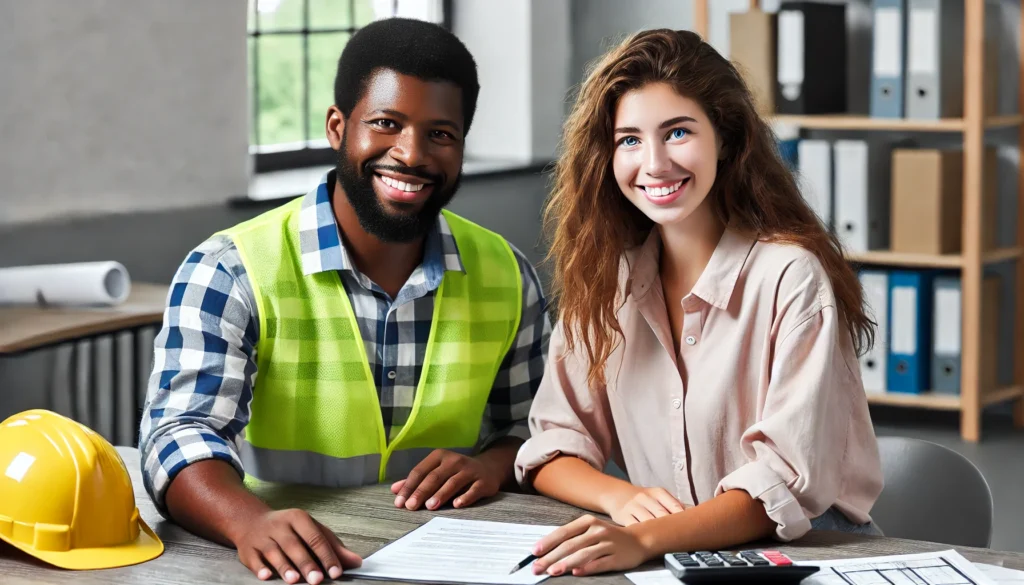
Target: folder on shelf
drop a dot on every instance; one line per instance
(935, 59)
(910, 347)
(788, 139)
(862, 194)
(815, 176)
(811, 58)
(752, 48)
(927, 200)
(873, 363)
(888, 62)
(947, 331)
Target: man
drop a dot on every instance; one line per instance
(392, 341)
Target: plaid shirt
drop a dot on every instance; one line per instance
(205, 354)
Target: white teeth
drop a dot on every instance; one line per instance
(663, 191)
(409, 187)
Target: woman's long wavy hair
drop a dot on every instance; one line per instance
(592, 224)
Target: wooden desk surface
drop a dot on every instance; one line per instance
(27, 328)
(366, 519)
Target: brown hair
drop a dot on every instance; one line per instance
(593, 224)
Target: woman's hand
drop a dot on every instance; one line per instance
(644, 504)
(588, 546)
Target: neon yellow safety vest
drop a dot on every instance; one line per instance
(315, 417)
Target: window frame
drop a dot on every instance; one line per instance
(269, 158)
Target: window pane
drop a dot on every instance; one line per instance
(324, 50)
(252, 105)
(250, 16)
(326, 14)
(364, 12)
(280, 14)
(279, 74)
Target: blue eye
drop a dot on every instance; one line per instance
(679, 133)
(629, 141)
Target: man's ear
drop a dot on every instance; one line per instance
(335, 126)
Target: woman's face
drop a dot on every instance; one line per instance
(666, 153)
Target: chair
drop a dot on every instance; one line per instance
(932, 493)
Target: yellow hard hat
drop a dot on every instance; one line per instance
(66, 497)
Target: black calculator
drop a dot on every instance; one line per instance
(768, 567)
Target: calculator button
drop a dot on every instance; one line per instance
(736, 562)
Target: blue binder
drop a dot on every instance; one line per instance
(910, 327)
(889, 58)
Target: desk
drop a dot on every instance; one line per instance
(366, 519)
(28, 328)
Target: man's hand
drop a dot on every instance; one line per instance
(645, 504)
(293, 545)
(444, 474)
(588, 546)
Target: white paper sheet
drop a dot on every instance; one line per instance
(76, 284)
(458, 551)
(939, 568)
(1001, 575)
(659, 577)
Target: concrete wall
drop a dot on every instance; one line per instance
(112, 106)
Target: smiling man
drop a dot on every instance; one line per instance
(359, 334)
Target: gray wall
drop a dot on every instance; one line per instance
(116, 105)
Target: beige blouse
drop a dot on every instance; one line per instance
(765, 395)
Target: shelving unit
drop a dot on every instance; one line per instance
(972, 260)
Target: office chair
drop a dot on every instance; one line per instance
(932, 493)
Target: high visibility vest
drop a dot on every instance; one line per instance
(315, 417)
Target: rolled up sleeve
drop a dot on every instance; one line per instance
(797, 449)
(566, 417)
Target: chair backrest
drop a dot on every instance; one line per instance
(932, 493)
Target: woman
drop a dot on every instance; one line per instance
(709, 326)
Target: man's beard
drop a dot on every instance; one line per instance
(373, 216)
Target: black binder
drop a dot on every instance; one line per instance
(811, 58)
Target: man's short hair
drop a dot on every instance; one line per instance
(411, 47)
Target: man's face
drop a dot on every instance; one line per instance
(400, 155)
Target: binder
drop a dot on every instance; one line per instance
(888, 58)
(927, 201)
(752, 48)
(910, 346)
(935, 59)
(862, 194)
(811, 58)
(948, 334)
(788, 139)
(873, 363)
(814, 159)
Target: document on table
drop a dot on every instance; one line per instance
(947, 567)
(458, 551)
(938, 568)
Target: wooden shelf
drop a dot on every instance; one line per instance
(883, 258)
(926, 400)
(855, 122)
(933, 401)
(1002, 395)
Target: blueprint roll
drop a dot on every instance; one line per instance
(76, 284)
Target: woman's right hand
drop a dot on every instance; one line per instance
(643, 504)
(293, 545)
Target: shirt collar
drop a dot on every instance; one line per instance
(715, 285)
(323, 249)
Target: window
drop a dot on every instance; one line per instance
(293, 55)
(294, 47)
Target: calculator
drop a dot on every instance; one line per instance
(769, 567)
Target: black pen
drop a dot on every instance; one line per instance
(522, 564)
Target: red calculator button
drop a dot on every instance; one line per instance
(776, 557)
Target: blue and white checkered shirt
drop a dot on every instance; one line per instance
(205, 354)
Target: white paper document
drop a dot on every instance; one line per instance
(939, 568)
(659, 577)
(458, 551)
(1001, 575)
